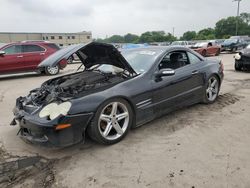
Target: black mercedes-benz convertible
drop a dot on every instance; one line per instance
(113, 92)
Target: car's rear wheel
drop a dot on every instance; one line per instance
(212, 89)
(112, 122)
(217, 52)
(52, 70)
(204, 53)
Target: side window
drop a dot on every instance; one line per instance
(193, 59)
(32, 48)
(15, 49)
(174, 60)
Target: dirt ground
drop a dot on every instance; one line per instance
(200, 146)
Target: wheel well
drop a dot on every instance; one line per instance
(119, 97)
(218, 77)
(132, 107)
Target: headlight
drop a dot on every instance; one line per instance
(53, 110)
(237, 56)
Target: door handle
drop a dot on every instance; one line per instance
(195, 72)
(42, 53)
(20, 56)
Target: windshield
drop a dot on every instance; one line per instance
(229, 41)
(140, 60)
(178, 43)
(202, 44)
(2, 44)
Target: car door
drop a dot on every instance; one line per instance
(211, 49)
(33, 55)
(181, 89)
(12, 60)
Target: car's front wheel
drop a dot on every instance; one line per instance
(112, 122)
(52, 70)
(212, 89)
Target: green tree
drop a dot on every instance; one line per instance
(170, 38)
(158, 36)
(245, 17)
(205, 34)
(189, 35)
(146, 37)
(115, 39)
(131, 38)
(227, 26)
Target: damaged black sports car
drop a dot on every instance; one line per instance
(242, 60)
(114, 92)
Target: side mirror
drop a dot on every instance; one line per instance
(165, 72)
(2, 53)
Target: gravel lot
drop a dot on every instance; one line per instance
(199, 146)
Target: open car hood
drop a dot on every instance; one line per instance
(92, 53)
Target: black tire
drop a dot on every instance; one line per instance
(204, 53)
(237, 66)
(206, 99)
(93, 129)
(218, 52)
(52, 70)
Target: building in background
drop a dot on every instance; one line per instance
(62, 39)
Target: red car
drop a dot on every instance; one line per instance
(26, 56)
(207, 49)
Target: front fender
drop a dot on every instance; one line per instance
(87, 104)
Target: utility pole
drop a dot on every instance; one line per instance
(173, 31)
(238, 14)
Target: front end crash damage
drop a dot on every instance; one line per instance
(44, 115)
(45, 131)
(243, 59)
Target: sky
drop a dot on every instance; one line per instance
(108, 17)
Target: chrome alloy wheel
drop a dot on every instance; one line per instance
(53, 70)
(212, 89)
(113, 121)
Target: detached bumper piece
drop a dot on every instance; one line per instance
(50, 136)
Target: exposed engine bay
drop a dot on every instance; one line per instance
(69, 86)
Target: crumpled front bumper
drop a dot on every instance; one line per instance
(244, 62)
(33, 131)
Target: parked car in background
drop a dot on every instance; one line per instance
(207, 48)
(182, 43)
(132, 45)
(242, 59)
(217, 41)
(234, 44)
(25, 56)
